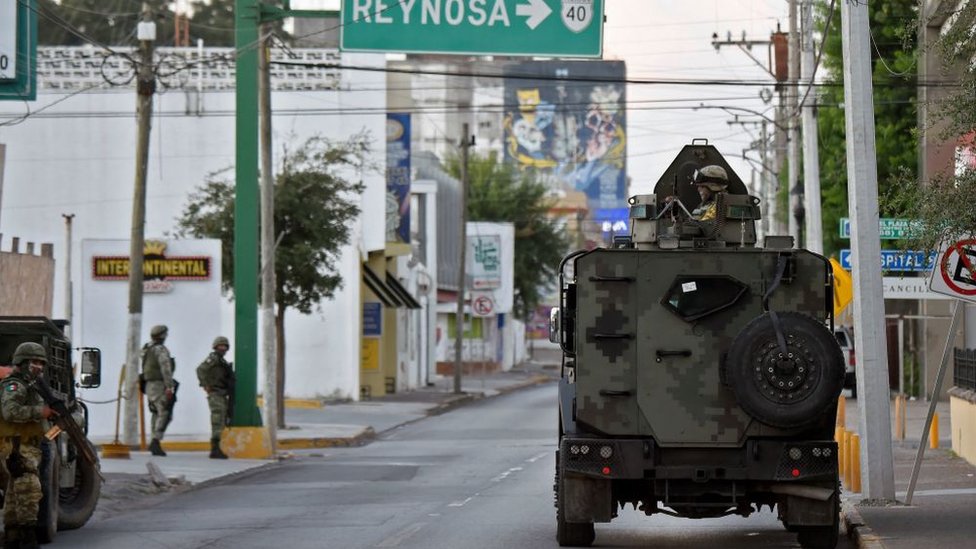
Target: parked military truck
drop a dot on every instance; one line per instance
(700, 375)
(71, 485)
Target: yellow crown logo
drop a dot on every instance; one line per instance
(154, 247)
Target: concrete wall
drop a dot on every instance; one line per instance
(962, 410)
(27, 286)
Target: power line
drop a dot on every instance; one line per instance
(592, 79)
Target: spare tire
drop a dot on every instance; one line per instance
(791, 389)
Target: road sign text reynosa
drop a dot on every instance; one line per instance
(510, 27)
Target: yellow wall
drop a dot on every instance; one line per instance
(962, 412)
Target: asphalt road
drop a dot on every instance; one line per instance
(479, 477)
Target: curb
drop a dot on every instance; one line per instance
(298, 443)
(368, 434)
(862, 534)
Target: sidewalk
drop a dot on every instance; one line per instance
(336, 424)
(944, 496)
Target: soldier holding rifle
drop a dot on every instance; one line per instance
(216, 376)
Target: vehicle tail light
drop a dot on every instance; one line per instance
(852, 360)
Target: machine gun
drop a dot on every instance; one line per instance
(65, 422)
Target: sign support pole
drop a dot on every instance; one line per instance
(956, 315)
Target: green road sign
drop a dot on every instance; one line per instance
(18, 50)
(558, 28)
(890, 228)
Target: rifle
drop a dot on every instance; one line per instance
(65, 422)
(15, 461)
(171, 403)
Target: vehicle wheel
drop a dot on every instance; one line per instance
(49, 473)
(821, 537)
(78, 501)
(791, 389)
(570, 534)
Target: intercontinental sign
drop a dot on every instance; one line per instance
(159, 270)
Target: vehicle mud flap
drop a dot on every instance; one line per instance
(816, 523)
(789, 382)
(49, 473)
(79, 500)
(569, 534)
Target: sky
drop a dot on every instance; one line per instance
(671, 39)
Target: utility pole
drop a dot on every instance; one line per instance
(68, 298)
(145, 88)
(770, 180)
(811, 153)
(795, 215)
(862, 192)
(769, 191)
(273, 376)
(466, 143)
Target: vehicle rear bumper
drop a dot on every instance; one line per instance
(761, 460)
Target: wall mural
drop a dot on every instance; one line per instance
(567, 119)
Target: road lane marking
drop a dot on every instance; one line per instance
(460, 503)
(505, 475)
(534, 459)
(398, 538)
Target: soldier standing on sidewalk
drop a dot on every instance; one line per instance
(160, 387)
(22, 429)
(217, 378)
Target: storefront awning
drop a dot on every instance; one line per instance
(402, 293)
(389, 290)
(379, 288)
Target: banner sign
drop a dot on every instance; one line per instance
(398, 177)
(484, 262)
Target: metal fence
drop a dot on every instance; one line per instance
(965, 369)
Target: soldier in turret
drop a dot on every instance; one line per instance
(160, 386)
(216, 376)
(710, 181)
(23, 416)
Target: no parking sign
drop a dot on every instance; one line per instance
(955, 272)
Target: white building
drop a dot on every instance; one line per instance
(74, 150)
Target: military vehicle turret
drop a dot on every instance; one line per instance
(700, 375)
(70, 484)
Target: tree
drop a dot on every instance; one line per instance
(944, 204)
(103, 22)
(113, 22)
(894, 73)
(314, 207)
(499, 192)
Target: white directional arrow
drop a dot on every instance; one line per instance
(535, 10)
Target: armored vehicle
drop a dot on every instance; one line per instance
(70, 484)
(700, 374)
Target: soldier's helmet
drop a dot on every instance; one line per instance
(29, 351)
(220, 340)
(158, 331)
(713, 177)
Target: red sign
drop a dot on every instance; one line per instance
(956, 272)
(482, 305)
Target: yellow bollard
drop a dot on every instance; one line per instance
(839, 438)
(847, 458)
(934, 432)
(842, 411)
(900, 417)
(856, 464)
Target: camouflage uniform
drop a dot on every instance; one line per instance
(157, 370)
(22, 428)
(217, 378)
